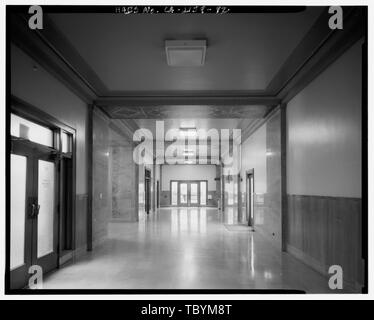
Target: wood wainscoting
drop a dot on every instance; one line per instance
(324, 231)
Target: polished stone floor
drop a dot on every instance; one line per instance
(180, 248)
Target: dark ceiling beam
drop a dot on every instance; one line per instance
(151, 101)
(65, 50)
(331, 47)
(186, 93)
(35, 45)
(180, 111)
(311, 41)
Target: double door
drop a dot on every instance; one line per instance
(189, 193)
(33, 211)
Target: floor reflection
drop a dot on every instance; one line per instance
(234, 215)
(188, 219)
(186, 248)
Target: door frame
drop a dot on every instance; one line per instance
(27, 111)
(157, 194)
(250, 190)
(180, 182)
(49, 259)
(18, 276)
(147, 190)
(188, 204)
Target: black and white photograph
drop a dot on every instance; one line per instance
(185, 149)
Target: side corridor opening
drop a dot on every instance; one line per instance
(136, 164)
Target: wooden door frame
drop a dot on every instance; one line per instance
(32, 113)
(49, 261)
(18, 276)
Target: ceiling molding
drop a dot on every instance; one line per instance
(186, 107)
(313, 39)
(124, 127)
(33, 44)
(258, 124)
(186, 93)
(70, 55)
(100, 114)
(219, 100)
(176, 111)
(337, 42)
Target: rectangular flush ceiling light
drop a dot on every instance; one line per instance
(188, 132)
(185, 53)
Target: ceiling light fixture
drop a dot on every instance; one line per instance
(187, 124)
(185, 53)
(188, 132)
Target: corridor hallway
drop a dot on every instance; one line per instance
(129, 152)
(186, 248)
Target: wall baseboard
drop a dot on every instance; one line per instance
(313, 263)
(348, 286)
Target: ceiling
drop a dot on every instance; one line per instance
(127, 54)
(254, 61)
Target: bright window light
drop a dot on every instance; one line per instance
(22, 128)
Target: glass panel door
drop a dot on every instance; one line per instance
(188, 193)
(183, 193)
(203, 195)
(34, 195)
(17, 210)
(21, 210)
(33, 214)
(194, 193)
(46, 203)
(174, 193)
(46, 221)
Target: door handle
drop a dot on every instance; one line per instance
(37, 210)
(32, 213)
